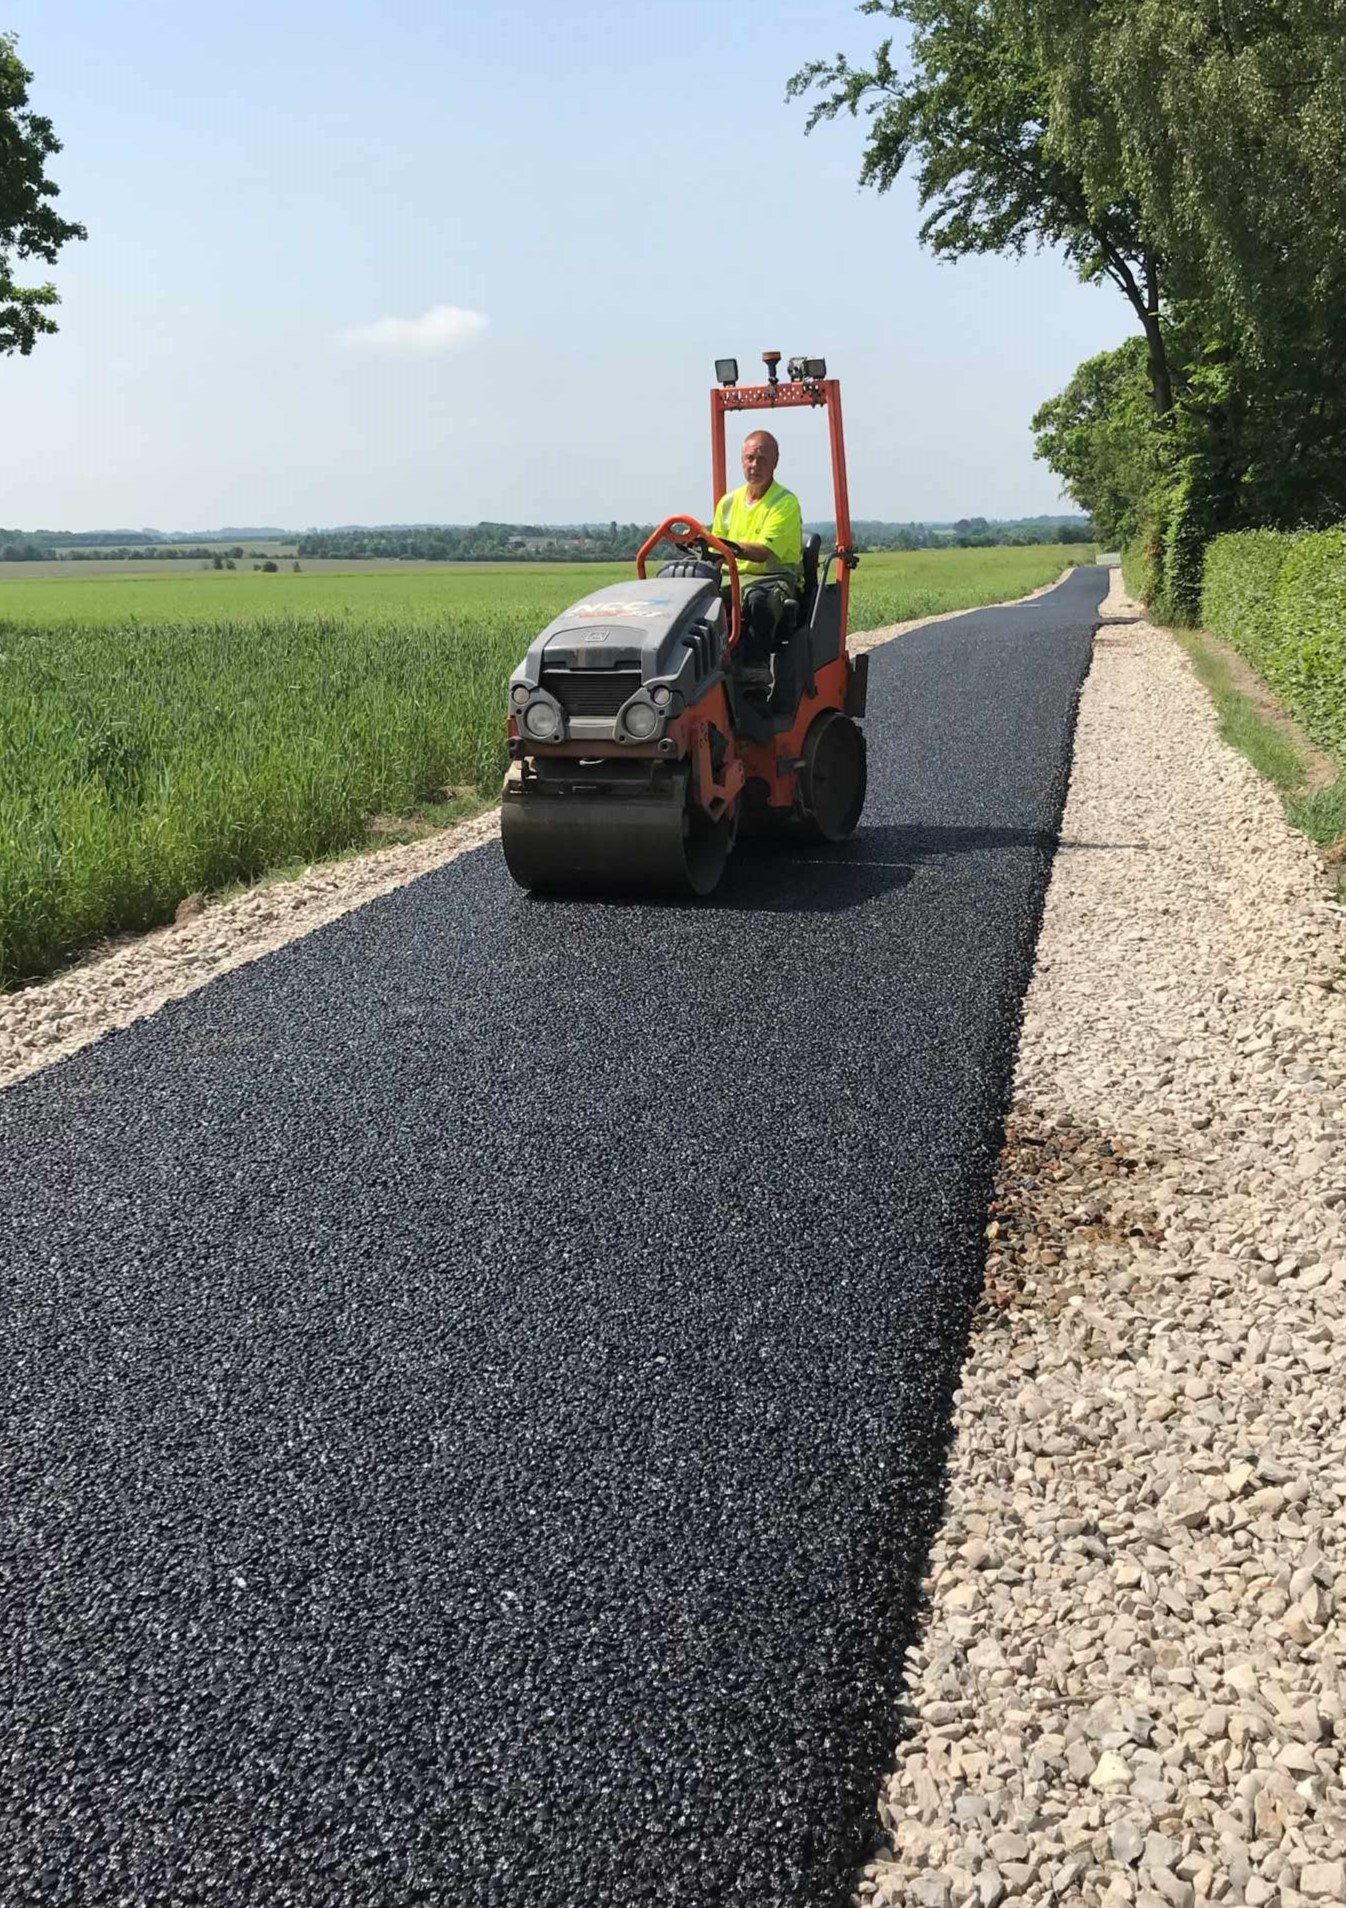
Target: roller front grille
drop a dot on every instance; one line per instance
(591, 692)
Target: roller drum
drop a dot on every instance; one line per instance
(576, 840)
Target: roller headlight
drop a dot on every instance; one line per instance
(640, 720)
(521, 692)
(662, 696)
(542, 722)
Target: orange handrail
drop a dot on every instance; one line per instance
(681, 531)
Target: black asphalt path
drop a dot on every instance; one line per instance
(476, 1382)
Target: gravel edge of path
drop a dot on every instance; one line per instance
(52, 1019)
(1132, 1684)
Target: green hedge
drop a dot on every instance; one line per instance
(1163, 566)
(1238, 600)
(1138, 570)
(1281, 601)
(1193, 512)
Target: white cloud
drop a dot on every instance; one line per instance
(442, 328)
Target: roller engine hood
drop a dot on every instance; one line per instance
(631, 625)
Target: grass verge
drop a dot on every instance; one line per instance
(381, 831)
(1311, 785)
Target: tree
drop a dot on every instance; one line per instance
(970, 104)
(1225, 120)
(29, 225)
(1190, 150)
(1095, 437)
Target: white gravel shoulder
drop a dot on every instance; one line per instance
(1132, 1684)
(46, 1022)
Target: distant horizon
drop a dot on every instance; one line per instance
(114, 534)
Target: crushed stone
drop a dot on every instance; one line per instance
(1132, 1685)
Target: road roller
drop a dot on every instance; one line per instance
(639, 749)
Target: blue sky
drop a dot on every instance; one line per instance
(614, 194)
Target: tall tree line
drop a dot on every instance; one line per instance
(1188, 152)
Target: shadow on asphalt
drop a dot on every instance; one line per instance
(788, 877)
(777, 875)
(780, 876)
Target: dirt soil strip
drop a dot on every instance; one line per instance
(1131, 1687)
(112, 988)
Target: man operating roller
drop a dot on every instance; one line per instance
(762, 519)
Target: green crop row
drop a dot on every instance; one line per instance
(146, 762)
(154, 753)
(1280, 600)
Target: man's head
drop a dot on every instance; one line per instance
(761, 454)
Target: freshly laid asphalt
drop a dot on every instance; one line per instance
(476, 1381)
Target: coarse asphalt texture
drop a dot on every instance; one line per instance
(477, 1380)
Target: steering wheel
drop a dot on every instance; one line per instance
(706, 550)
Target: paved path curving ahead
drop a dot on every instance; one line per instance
(475, 1382)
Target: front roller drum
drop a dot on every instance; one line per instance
(573, 839)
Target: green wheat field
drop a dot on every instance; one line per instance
(164, 736)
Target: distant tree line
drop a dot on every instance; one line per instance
(966, 533)
(18, 547)
(616, 543)
(533, 543)
(121, 539)
(467, 543)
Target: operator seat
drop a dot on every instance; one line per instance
(813, 544)
(793, 667)
(796, 610)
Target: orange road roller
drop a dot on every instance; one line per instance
(639, 742)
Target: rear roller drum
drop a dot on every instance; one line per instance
(833, 778)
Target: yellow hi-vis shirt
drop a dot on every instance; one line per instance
(773, 520)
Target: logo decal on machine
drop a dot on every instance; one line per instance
(648, 607)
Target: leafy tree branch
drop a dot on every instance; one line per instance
(30, 226)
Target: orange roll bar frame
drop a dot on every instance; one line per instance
(824, 393)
